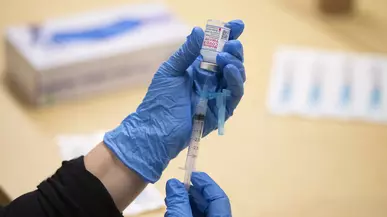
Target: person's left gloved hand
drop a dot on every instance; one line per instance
(204, 199)
(160, 128)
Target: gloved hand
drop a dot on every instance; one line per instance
(160, 128)
(205, 198)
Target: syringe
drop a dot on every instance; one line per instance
(197, 130)
(216, 36)
(198, 125)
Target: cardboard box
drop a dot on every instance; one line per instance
(90, 53)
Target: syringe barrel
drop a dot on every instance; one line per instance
(190, 167)
(201, 107)
(196, 135)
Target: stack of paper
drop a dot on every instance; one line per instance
(90, 53)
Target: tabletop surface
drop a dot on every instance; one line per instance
(269, 166)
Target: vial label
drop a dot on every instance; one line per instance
(215, 37)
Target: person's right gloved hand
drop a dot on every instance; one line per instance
(205, 198)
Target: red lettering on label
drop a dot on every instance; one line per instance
(211, 44)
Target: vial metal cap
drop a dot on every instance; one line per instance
(209, 66)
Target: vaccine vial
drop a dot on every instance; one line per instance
(215, 37)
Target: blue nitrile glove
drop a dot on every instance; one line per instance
(160, 128)
(205, 198)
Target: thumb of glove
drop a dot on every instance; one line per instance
(187, 53)
(177, 200)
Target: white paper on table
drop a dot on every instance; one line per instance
(76, 145)
(339, 90)
(319, 83)
(281, 92)
(371, 74)
(310, 75)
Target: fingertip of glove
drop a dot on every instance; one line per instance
(197, 29)
(197, 33)
(233, 43)
(201, 180)
(194, 41)
(174, 183)
(230, 68)
(237, 22)
(200, 175)
(235, 48)
(221, 59)
(232, 73)
(175, 192)
(237, 27)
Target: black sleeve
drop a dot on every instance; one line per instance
(71, 192)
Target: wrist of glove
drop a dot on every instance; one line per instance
(147, 160)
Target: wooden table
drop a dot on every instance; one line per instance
(269, 166)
